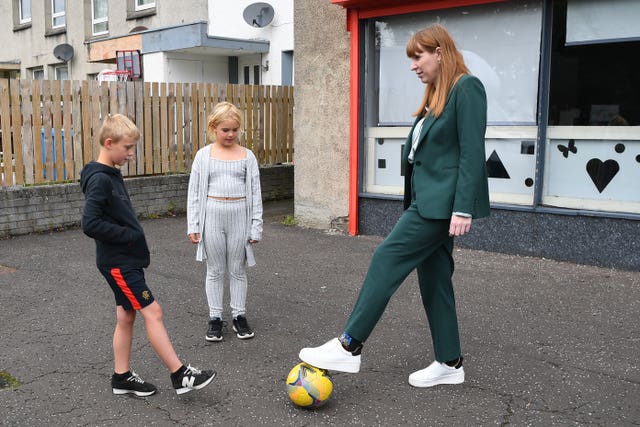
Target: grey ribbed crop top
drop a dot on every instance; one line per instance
(227, 178)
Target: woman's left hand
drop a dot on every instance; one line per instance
(459, 225)
(253, 241)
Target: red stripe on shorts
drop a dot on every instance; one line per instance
(117, 275)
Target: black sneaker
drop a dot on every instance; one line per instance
(191, 379)
(214, 333)
(132, 384)
(241, 328)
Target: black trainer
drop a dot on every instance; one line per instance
(191, 379)
(132, 384)
(214, 333)
(241, 328)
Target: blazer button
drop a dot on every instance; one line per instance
(418, 163)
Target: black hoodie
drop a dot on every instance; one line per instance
(109, 218)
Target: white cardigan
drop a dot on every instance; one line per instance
(197, 200)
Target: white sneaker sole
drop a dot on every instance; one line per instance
(121, 391)
(213, 339)
(184, 390)
(245, 336)
(350, 368)
(453, 378)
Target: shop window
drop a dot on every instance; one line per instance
(501, 46)
(593, 138)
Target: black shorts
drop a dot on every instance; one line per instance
(129, 287)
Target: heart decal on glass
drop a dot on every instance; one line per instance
(602, 173)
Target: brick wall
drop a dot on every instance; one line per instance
(25, 210)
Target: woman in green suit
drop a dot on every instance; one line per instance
(445, 189)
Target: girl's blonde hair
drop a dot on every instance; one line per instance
(117, 126)
(221, 112)
(452, 66)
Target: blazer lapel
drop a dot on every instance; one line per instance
(428, 122)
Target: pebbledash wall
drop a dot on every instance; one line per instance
(26, 210)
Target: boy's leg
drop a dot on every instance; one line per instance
(158, 336)
(122, 338)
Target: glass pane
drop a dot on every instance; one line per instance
(577, 95)
(145, 2)
(62, 73)
(58, 6)
(101, 27)
(500, 44)
(59, 21)
(596, 21)
(38, 74)
(25, 10)
(99, 9)
(597, 174)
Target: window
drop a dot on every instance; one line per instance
(593, 137)
(25, 11)
(57, 14)
(145, 4)
(61, 72)
(501, 46)
(99, 17)
(37, 73)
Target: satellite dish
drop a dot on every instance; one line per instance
(63, 52)
(258, 14)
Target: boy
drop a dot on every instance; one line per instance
(121, 255)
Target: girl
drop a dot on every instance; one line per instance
(224, 215)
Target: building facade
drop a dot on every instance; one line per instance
(156, 40)
(563, 141)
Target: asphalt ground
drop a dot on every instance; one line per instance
(546, 343)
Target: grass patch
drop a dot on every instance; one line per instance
(7, 381)
(289, 221)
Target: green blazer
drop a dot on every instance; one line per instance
(449, 172)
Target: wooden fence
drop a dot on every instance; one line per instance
(49, 128)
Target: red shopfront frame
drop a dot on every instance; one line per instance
(365, 9)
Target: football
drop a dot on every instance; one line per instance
(308, 386)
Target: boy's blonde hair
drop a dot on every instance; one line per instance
(221, 112)
(117, 126)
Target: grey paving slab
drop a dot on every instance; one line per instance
(546, 343)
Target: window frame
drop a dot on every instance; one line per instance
(138, 6)
(35, 70)
(95, 21)
(55, 15)
(56, 71)
(21, 18)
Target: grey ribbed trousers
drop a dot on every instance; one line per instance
(225, 237)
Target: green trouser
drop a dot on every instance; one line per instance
(414, 242)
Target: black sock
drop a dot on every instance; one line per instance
(123, 376)
(455, 363)
(350, 344)
(177, 373)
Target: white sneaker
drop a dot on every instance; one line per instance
(331, 356)
(437, 373)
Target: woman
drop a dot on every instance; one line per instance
(445, 188)
(224, 216)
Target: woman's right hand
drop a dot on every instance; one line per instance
(194, 237)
